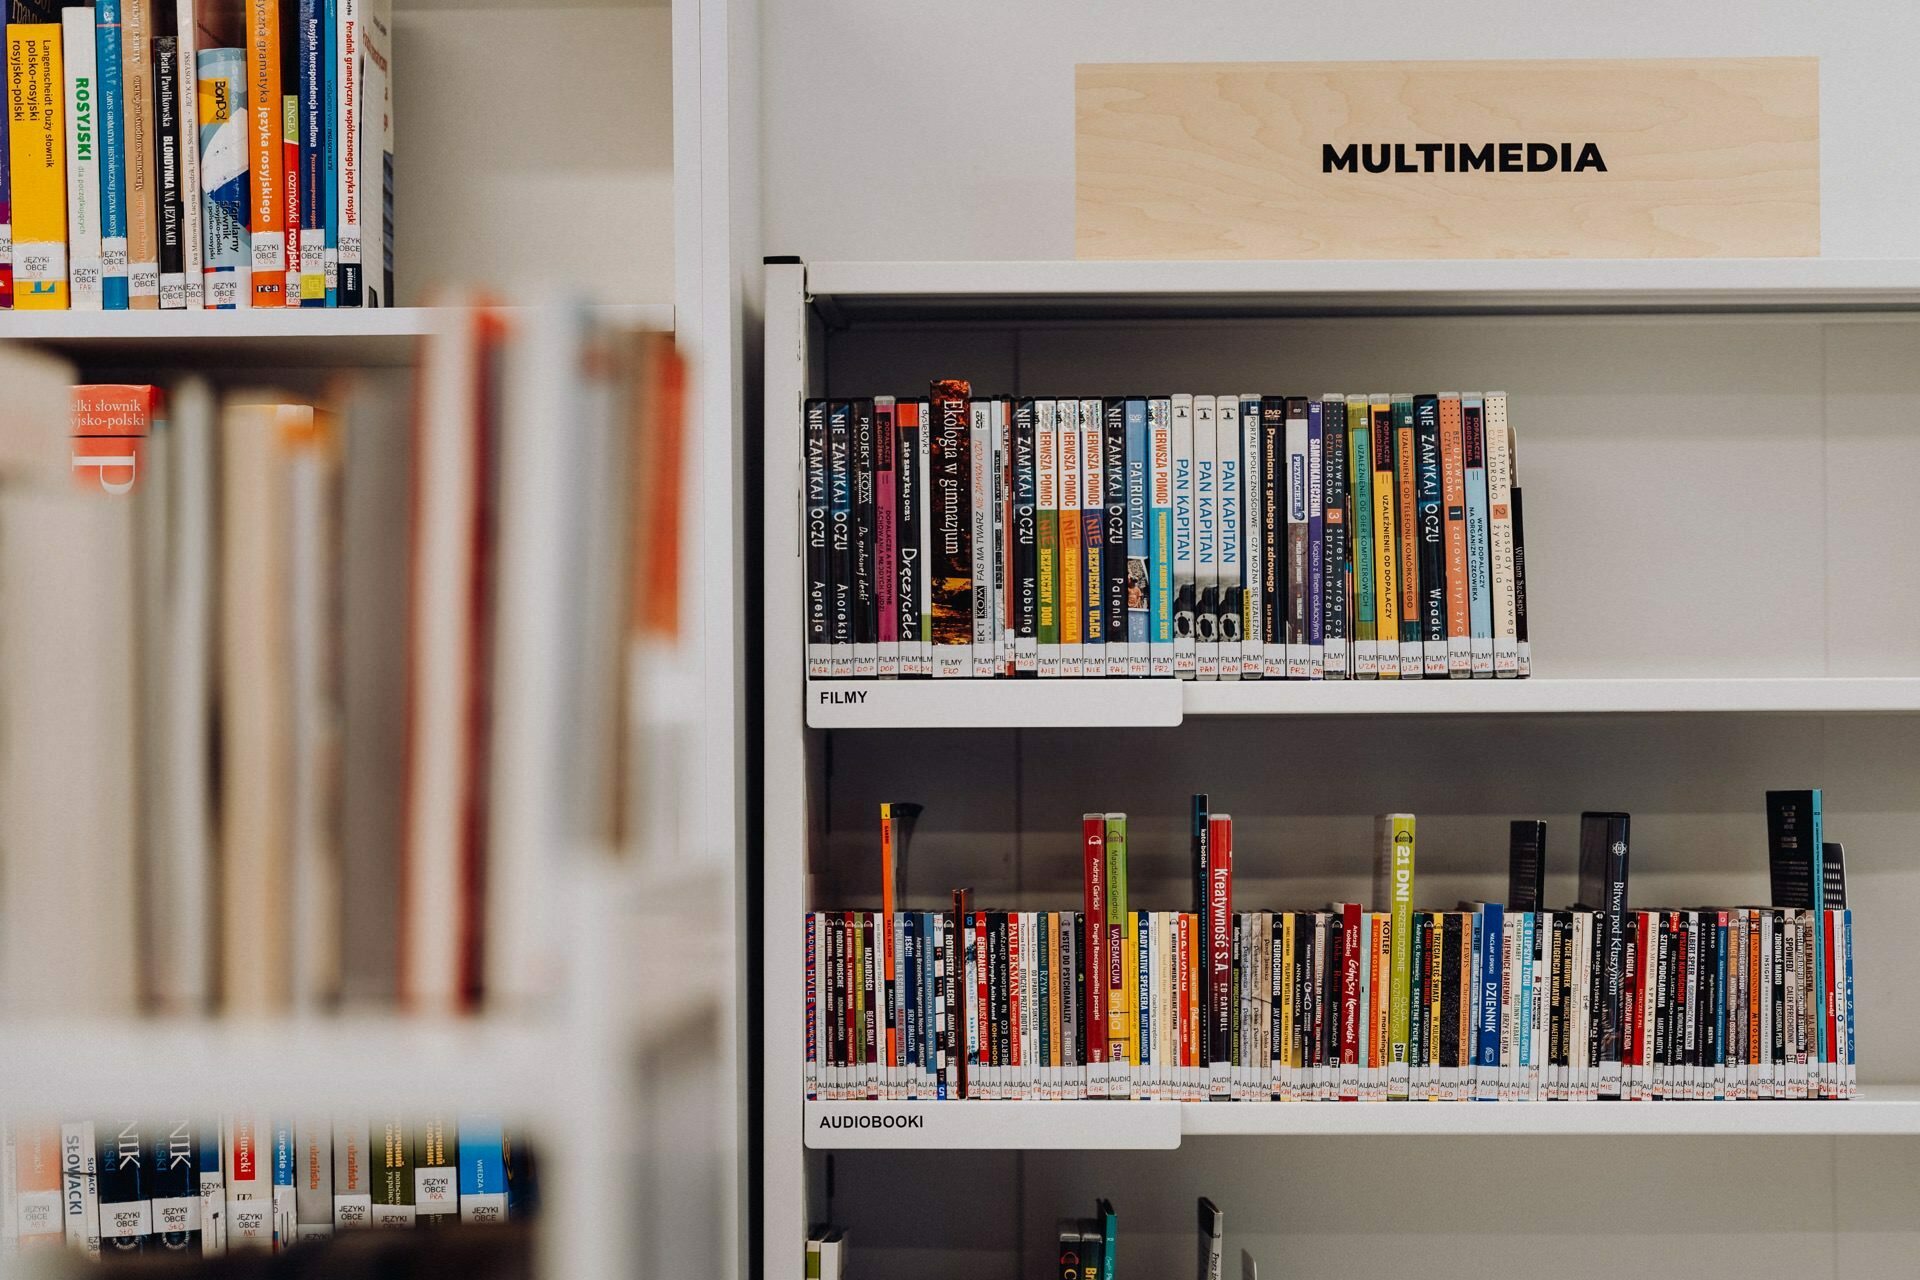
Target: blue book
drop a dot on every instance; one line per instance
(1138, 648)
(1473, 453)
(315, 111)
(483, 1169)
(930, 1026)
(113, 157)
(284, 1230)
(1523, 1006)
(126, 1204)
(1489, 932)
(1316, 541)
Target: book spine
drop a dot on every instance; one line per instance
(1273, 537)
(225, 181)
(376, 147)
(1093, 524)
(841, 607)
(818, 543)
(392, 1173)
(1219, 953)
(1119, 1044)
(981, 456)
(1026, 541)
(6, 304)
(284, 1218)
(111, 128)
(352, 1174)
(167, 169)
(1473, 453)
(1113, 558)
(1003, 538)
(1366, 651)
(141, 153)
(1138, 586)
(348, 106)
(866, 598)
(1206, 539)
(211, 1167)
(311, 126)
(1186, 560)
(1506, 656)
(293, 193)
(1230, 518)
(1316, 590)
(1386, 553)
(36, 1207)
(436, 1173)
(174, 1159)
(1395, 839)
(1453, 494)
(187, 67)
(83, 159)
(1159, 538)
(38, 157)
(1429, 514)
(312, 1180)
(1491, 994)
(1298, 579)
(1073, 578)
(1253, 589)
(483, 1169)
(1334, 525)
(126, 1196)
(910, 492)
(1407, 541)
(1351, 943)
(79, 1174)
(1093, 838)
(1523, 652)
(886, 535)
(266, 217)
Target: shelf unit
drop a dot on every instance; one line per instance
(632, 1075)
(1709, 450)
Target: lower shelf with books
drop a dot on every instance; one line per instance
(1879, 1110)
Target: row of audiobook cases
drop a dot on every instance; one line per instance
(1205, 537)
(121, 1186)
(179, 154)
(1491, 1002)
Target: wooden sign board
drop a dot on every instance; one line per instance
(1667, 158)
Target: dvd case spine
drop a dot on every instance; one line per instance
(1185, 541)
(1298, 530)
(1335, 535)
(1407, 536)
(886, 546)
(1366, 650)
(1206, 536)
(1093, 523)
(1161, 592)
(842, 607)
(1138, 517)
(1230, 517)
(1453, 492)
(1273, 534)
(951, 517)
(1047, 563)
(1473, 454)
(1386, 546)
(1073, 578)
(819, 540)
(864, 542)
(1506, 657)
(1316, 504)
(1253, 589)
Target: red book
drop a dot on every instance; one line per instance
(1350, 1002)
(1093, 849)
(983, 973)
(1220, 952)
(1183, 989)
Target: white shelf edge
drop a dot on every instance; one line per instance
(985, 704)
(265, 324)
(1013, 703)
(1698, 282)
(983, 1126)
(93, 1066)
(1112, 1126)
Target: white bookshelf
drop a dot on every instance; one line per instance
(1880, 1111)
(1043, 704)
(633, 198)
(1710, 452)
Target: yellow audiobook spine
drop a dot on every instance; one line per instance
(1386, 590)
(36, 79)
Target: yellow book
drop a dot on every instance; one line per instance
(37, 142)
(1386, 579)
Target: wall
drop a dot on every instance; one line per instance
(914, 131)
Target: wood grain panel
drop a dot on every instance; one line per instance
(1703, 158)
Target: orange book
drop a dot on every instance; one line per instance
(267, 211)
(110, 422)
(1453, 502)
(36, 1169)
